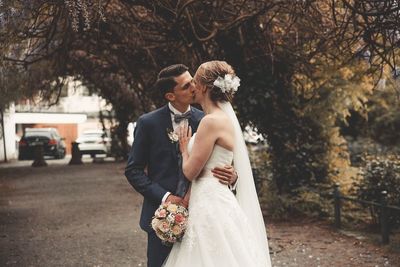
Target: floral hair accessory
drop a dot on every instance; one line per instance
(228, 84)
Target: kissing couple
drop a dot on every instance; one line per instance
(169, 164)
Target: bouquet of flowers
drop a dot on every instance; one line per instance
(169, 222)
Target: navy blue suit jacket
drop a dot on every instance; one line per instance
(153, 149)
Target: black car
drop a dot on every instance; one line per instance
(53, 143)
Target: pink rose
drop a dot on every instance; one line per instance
(179, 218)
(162, 213)
(163, 226)
(154, 223)
(172, 240)
(176, 230)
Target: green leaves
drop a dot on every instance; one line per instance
(381, 174)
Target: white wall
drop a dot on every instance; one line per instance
(77, 101)
(9, 129)
(26, 117)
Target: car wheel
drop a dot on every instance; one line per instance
(63, 154)
(57, 155)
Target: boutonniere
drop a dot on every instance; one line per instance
(173, 137)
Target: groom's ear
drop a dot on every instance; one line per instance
(170, 96)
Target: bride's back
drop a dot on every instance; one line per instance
(223, 129)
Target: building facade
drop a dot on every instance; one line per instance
(77, 110)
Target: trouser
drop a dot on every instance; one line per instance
(156, 251)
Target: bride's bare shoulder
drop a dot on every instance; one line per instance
(214, 120)
(209, 120)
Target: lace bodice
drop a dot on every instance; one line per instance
(219, 157)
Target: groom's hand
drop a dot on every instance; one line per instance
(174, 199)
(185, 203)
(226, 175)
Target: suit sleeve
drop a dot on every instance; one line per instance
(138, 160)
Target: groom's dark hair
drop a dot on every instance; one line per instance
(165, 80)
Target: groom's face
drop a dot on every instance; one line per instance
(184, 90)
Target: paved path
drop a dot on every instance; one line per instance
(88, 216)
(314, 243)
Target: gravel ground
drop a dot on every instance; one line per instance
(316, 243)
(69, 216)
(88, 215)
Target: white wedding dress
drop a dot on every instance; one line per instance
(219, 233)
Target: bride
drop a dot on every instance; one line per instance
(223, 229)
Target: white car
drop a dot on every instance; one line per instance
(131, 130)
(252, 136)
(93, 142)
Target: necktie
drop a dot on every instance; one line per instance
(179, 117)
(183, 183)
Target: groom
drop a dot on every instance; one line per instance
(153, 167)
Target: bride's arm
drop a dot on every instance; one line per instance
(206, 137)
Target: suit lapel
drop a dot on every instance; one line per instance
(166, 118)
(167, 125)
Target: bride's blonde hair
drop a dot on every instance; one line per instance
(208, 72)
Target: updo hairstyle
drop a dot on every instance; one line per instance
(208, 72)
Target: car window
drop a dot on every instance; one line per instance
(92, 135)
(38, 133)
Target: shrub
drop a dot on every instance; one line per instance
(381, 173)
(309, 200)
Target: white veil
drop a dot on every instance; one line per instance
(246, 193)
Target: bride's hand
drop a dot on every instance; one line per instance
(185, 132)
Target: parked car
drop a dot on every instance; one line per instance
(93, 142)
(51, 140)
(131, 130)
(251, 135)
